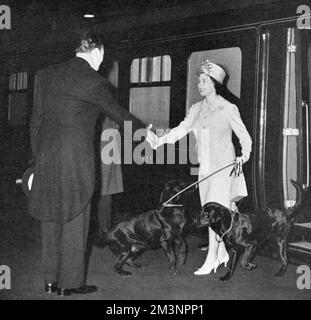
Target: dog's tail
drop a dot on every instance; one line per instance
(101, 240)
(293, 211)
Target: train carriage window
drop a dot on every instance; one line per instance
(229, 58)
(135, 71)
(18, 98)
(151, 89)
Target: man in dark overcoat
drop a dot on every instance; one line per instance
(68, 98)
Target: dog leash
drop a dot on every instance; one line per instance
(228, 229)
(220, 240)
(165, 204)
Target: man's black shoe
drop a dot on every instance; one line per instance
(50, 287)
(80, 290)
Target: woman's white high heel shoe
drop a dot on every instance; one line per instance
(224, 260)
(207, 270)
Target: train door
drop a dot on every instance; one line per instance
(284, 99)
(236, 51)
(285, 127)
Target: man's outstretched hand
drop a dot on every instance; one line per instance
(152, 138)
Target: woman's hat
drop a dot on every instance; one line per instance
(212, 70)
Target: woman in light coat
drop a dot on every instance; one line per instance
(212, 121)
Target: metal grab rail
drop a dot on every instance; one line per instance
(306, 106)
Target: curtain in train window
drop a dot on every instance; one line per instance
(113, 74)
(229, 58)
(150, 90)
(18, 98)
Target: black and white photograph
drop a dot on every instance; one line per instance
(155, 154)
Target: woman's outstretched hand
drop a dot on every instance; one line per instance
(152, 138)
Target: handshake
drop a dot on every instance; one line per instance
(152, 138)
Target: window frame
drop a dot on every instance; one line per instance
(19, 87)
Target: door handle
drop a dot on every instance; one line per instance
(307, 124)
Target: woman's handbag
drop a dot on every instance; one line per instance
(238, 188)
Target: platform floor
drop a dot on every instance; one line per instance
(20, 250)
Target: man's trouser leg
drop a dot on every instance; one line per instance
(104, 218)
(64, 247)
(50, 242)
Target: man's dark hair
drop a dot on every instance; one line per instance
(89, 41)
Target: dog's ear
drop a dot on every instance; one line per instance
(171, 189)
(225, 215)
(224, 211)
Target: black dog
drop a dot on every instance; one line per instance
(247, 232)
(157, 228)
